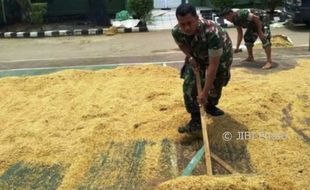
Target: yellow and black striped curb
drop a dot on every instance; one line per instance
(75, 32)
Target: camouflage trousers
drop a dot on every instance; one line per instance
(190, 88)
(251, 35)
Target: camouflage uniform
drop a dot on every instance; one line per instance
(211, 40)
(243, 19)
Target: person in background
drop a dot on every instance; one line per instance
(255, 26)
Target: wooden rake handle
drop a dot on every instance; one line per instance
(204, 125)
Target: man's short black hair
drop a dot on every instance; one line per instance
(225, 11)
(186, 8)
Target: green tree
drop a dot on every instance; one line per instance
(37, 13)
(141, 8)
(32, 12)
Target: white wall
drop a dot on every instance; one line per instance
(166, 3)
(174, 3)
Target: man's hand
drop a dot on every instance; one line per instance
(202, 98)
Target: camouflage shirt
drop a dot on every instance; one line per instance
(210, 40)
(243, 18)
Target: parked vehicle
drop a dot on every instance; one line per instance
(298, 11)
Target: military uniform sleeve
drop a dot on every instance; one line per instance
(177, 36)
(215, 44)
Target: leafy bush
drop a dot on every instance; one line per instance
(37, 13)
(141, 8)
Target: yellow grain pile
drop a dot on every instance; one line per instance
(234, 182)
(264, 103)
(278, 41)
(67, 117)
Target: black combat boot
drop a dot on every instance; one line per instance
(193, 125)
(213, 110)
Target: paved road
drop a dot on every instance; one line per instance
(121, 48)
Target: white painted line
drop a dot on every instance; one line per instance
(303, 45)
(33, 34)
(7, 34)
(164, 63)
(135, 29)
(102, 65)
(63, 32)
(153, 29)
(20, 34)
(121, 30)
(98, 57)
(48, 33)
(77, 32)
(92, 31)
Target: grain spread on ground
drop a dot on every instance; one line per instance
(117, 129)
(278, 41)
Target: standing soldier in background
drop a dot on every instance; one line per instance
(208, 49)
(255, 26)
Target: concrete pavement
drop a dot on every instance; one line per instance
(121, 48)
